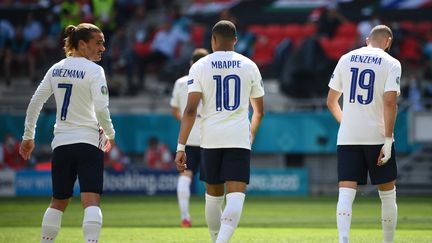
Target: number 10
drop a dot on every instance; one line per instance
(223, 85)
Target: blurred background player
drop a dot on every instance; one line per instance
(227, 83)
(81, 95)
(369, 78)
(193, 150)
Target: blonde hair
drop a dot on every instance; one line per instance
(74, 34)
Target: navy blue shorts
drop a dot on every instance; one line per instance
(72, 160)
(193, 158)
(356, 161)
(225, 164)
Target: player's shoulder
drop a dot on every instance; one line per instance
(182, 80)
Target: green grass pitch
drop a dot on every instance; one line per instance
(264, 219)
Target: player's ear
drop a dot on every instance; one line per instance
(388, 44)
(367, 40)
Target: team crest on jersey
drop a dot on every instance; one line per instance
(398, 80)
(190, 82)
(104, 90)
(332, 76)
(262, 83)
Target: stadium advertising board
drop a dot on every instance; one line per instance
(7, 183)
(141, 182)
(278, 182)
(35, 183)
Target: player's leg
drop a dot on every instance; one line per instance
(214, 199)
(233, 209)
(385, 177)
(63, 179)
(90, 175)
(351, 171)
(211, 161)
(184, 182)
(387, 194)
(183, 196)
(235, 171)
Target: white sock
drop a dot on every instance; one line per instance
(230, 216)
(388, 214)
(183, 195)
(213, 213)
(51, 224)
(92, 224)
(344, 212)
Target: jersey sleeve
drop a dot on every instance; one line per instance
(41, 95)
(99, 91)
(175, 99)
(393, 78)
(257, 85)
(193, 82)
(336, 80)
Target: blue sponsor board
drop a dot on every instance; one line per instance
(280, 182)
(35, 183)
(292, 182)
(141, 182)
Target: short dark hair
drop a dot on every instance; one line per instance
(225, 29)
(198, 54)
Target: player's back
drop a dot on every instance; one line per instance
(73, 81)
(227, 81)
(365, 74)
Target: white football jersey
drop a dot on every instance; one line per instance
(227, 81)
(179, 100)
(363, 75)
(79, 87)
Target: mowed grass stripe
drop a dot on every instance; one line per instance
(200, 235)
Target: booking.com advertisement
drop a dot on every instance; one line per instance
(262, 182)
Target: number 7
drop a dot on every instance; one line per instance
(66, 99)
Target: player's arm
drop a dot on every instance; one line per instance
(175, 111)
(41, 95)
(175, 102)
(391, 92)
(187, 122)
(390, 112)
(99, 91)
(257, 115)
(333, 104)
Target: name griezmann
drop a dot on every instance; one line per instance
(69, 73)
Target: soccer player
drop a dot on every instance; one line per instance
(81, 96)
(369, 78)
(178, 103)
(227, 83)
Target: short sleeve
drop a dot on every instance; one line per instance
(335, 79)
(193, 82)
(257, 87)
(99, 90)
(393, 78)
(175, 99)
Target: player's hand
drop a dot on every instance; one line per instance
(26, 148)
(385, 153)
(252, 138)
(108, 145)
(180, 161)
